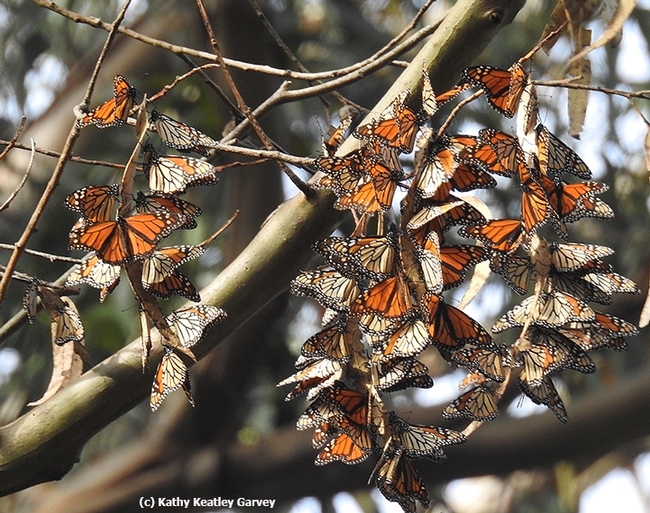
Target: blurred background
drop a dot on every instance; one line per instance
(240, 440)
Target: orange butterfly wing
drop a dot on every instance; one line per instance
(113, 112)
(503, 88)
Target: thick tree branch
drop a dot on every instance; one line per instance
(44, 443)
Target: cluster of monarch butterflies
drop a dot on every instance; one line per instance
(120, 228)
(383, 293)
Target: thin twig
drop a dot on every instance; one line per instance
(241, 103)
(102, 55)
(237, 114)
(542, 42)
(245, 66)
(178, 79)
(284, 95)
(48, 256)
(455, 111)
(73, 158)
(10, 144)
(61, 290)
(287, 51)
(56, 174)
(569, 84)
(23, 181)
(304, 162)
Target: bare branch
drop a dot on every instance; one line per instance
(24, 179)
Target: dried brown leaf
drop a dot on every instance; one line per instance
(578, 98)
(623, 12)
(69, 360)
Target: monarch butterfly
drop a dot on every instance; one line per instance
(540, 360)
(428, 256)
(429, 101)
(189, 323)
(478, 403)
(180, 136)
(113, 112)
(535, 208)
(605, 331)
(96, 273)
(575, 201)
(555, 157)
(503, 88)
(377, 326)
(549, 311)
(544, 393)
(517, 271)
(367, 257)
(68, 326)
(171, 375)
(154, 203)
(372, 193)
(600, 287)
(322, 434)
(396, 127)
(94, 203)
(30, 300)
(389, 298)
(173, 175)
(551, 351)
(422, 441)
(433, 170)
(571, 257)
(473, 378)
(162, 262)
(575, 284)
(612, 282)
(343, 447)
(330, 288)
(456, 260)
(332, 404)
(360, 180)
(330, 343)
(389, 157)
(442, 167)
(443, 98)
(337, 134)
(449, 327)
(498, 153)
(175, 284)
(614, 326)
(335, 167)
(528, 116)
(497, 234)
(126, 238)
(314, 377)
(398, 481)
(439, 218)
(488, 362)
(593, 207)
(410, 339)
(401, 373)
